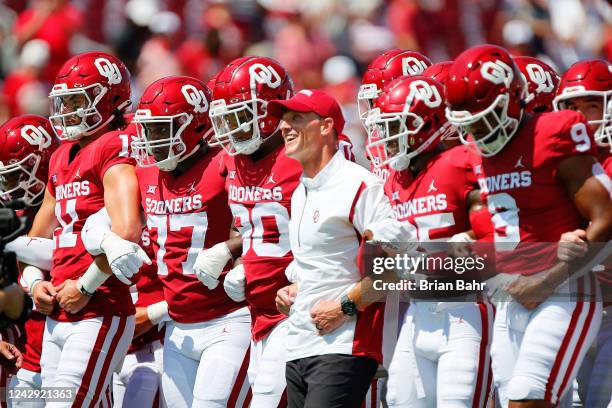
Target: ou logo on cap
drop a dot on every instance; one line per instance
(108, 70)
(36, 136)
(413, 66)
(195, 97)
(265, 75)
(497, 72)
(425, 92)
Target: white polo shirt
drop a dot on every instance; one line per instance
(329, 215)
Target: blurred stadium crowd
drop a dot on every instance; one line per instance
(324, 44)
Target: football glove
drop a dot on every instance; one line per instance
(235, 283)
(124, 257)
(210, 263)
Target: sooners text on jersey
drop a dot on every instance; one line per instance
(185, 214)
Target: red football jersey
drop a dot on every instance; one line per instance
(435, 200)
(76, 184)
(529, 205)
(185, 214)
(375, 157)
(260, 198)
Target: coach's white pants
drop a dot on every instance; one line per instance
(83, 356)
(267, 367)
(536, 353)
(442, 356)
(26, 379)
(139, 379)
(202, 361)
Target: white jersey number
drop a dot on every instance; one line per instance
(176, 222)
(66, 238)
(426, 223)
(505, 217)
(264, 228)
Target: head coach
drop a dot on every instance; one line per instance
(334, 339)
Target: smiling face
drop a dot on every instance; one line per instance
(301, 132)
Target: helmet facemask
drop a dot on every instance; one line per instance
(159, 141)
(80, 120)
(396, 136)
(236, 125)
(365, 102)
(18, 181)
(488, 131)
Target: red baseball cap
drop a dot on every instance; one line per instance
(310, 100)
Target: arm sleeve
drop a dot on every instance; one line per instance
(33, 251)
(96, 227)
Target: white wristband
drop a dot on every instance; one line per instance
(31, 275)
(158, 312)
(93, 278)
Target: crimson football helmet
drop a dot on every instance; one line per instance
(383, 69)
(409, 118)
(171, 121)
(590, 78)
(438, 71)
(485, 95)
(26, 144)
(241, 95)
(542, 81)
(90, 90)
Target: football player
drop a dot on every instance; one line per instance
(90, 323)
(260, 180)
(27, 143)
(386, 67)
(480, 219)
(442, 354)
(586, 87)
(539, 176)
(186, 207)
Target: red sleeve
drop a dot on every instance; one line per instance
(562, 134)
(111, 151)
(222, 166)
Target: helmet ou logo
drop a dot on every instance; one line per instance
(425, 92)
(541, 78)
(497, 72)
(36, 136)
(413, 66)
(108, 70)
(195, 97)
(267, 75)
